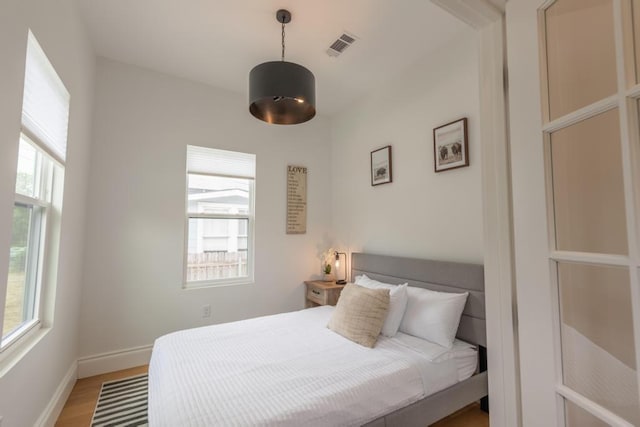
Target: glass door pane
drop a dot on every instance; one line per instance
(636, 36)
(575, 416)
(580, 52)
(588, 191)
(598, 351)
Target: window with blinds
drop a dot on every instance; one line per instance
(220, 217)
(40, 165)
(45, 105)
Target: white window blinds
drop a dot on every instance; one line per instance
(45, 105)
(211, 161)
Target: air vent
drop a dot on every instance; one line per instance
(342, 43)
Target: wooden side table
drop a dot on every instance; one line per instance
(321, 293)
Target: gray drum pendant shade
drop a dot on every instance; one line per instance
(282, 92)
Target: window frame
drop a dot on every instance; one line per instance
(42, 245)
(249, 216)
(38, 241)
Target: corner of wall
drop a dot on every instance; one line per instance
(54, 408)
(114, 361)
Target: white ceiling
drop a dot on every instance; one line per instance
(218, 41)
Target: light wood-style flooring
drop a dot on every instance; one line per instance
(471, 416)
(78, 410)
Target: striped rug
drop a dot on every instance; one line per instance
(122, 403)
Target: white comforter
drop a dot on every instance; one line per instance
(287, 370)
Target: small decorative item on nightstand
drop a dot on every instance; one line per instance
(341, 281)
(326, 259)
(321, 293)
(326, 273)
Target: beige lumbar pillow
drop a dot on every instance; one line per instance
(360, 314)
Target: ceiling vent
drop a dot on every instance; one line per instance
(341, 44)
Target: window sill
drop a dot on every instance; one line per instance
(13, 353)
(217, 284)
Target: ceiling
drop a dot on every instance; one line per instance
(217, 42)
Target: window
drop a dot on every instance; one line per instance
(41, 156)
(220, 216)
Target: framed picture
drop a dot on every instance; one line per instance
(450, 146)
(381, 166)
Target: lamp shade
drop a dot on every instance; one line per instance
(282, 93)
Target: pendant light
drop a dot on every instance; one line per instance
(282, 92)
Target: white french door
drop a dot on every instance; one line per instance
(574, 73)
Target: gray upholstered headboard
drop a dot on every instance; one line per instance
(435, 275)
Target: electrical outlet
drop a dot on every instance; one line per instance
(206, 312)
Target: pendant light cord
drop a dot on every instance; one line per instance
(283, 42)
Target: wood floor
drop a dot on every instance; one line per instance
(78, 410)
(471, 416)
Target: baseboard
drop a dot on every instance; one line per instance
(114, 361)
(87, 367)
(53, 409)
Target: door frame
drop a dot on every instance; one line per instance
(487, 17)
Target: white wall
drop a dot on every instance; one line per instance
(135, 236)
(421, 213)
(27, 388)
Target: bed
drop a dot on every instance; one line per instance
(289, 369)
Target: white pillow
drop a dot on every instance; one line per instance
(433, 316)
(397, 303)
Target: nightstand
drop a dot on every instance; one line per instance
(321, 293)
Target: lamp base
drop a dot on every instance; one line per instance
(341, 282)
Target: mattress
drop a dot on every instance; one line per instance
(290, 370)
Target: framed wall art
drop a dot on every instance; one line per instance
(381, 166)
(296, 199)
(450, 146)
